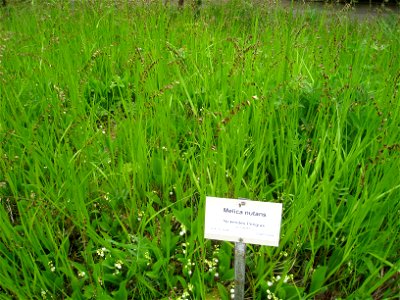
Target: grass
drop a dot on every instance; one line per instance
(117, 120)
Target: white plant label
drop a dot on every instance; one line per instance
(246, 221)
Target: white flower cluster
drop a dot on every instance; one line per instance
(81, 274)
(184, 247)
(118, 266)
(232, 291)
(278, 278)
(213, 266)
(147, 256)
(188, 267)
(186, 292)
(183, 230)
(44, 293)
(51, 266)
(185, 296)
(271, 295)
(140, 215)
(100, 252)
(283, 253)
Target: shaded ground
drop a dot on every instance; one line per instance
(363, 10)
(359, 11)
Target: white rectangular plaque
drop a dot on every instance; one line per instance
(246, 221)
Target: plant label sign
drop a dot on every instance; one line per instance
(245, 221)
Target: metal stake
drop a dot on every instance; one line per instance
(240, 265)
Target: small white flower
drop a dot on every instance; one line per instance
(185, 294)
(81, 274)
(100, 252)
(183, 230)
(51, 266)
(287, 277)
(269, 283)
(118, 264)
(134, 240)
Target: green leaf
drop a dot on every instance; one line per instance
(183, 216)
(290, 292)
(222, 291)
(318, 278)
(89, 291)
(228, 275)
(122, 293)
(336, 259)
(104, 296)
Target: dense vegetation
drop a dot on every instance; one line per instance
(116, 120)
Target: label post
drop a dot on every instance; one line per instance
(240, 269)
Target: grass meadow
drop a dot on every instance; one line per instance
(117, 119)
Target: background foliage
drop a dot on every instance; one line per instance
(116, 120)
